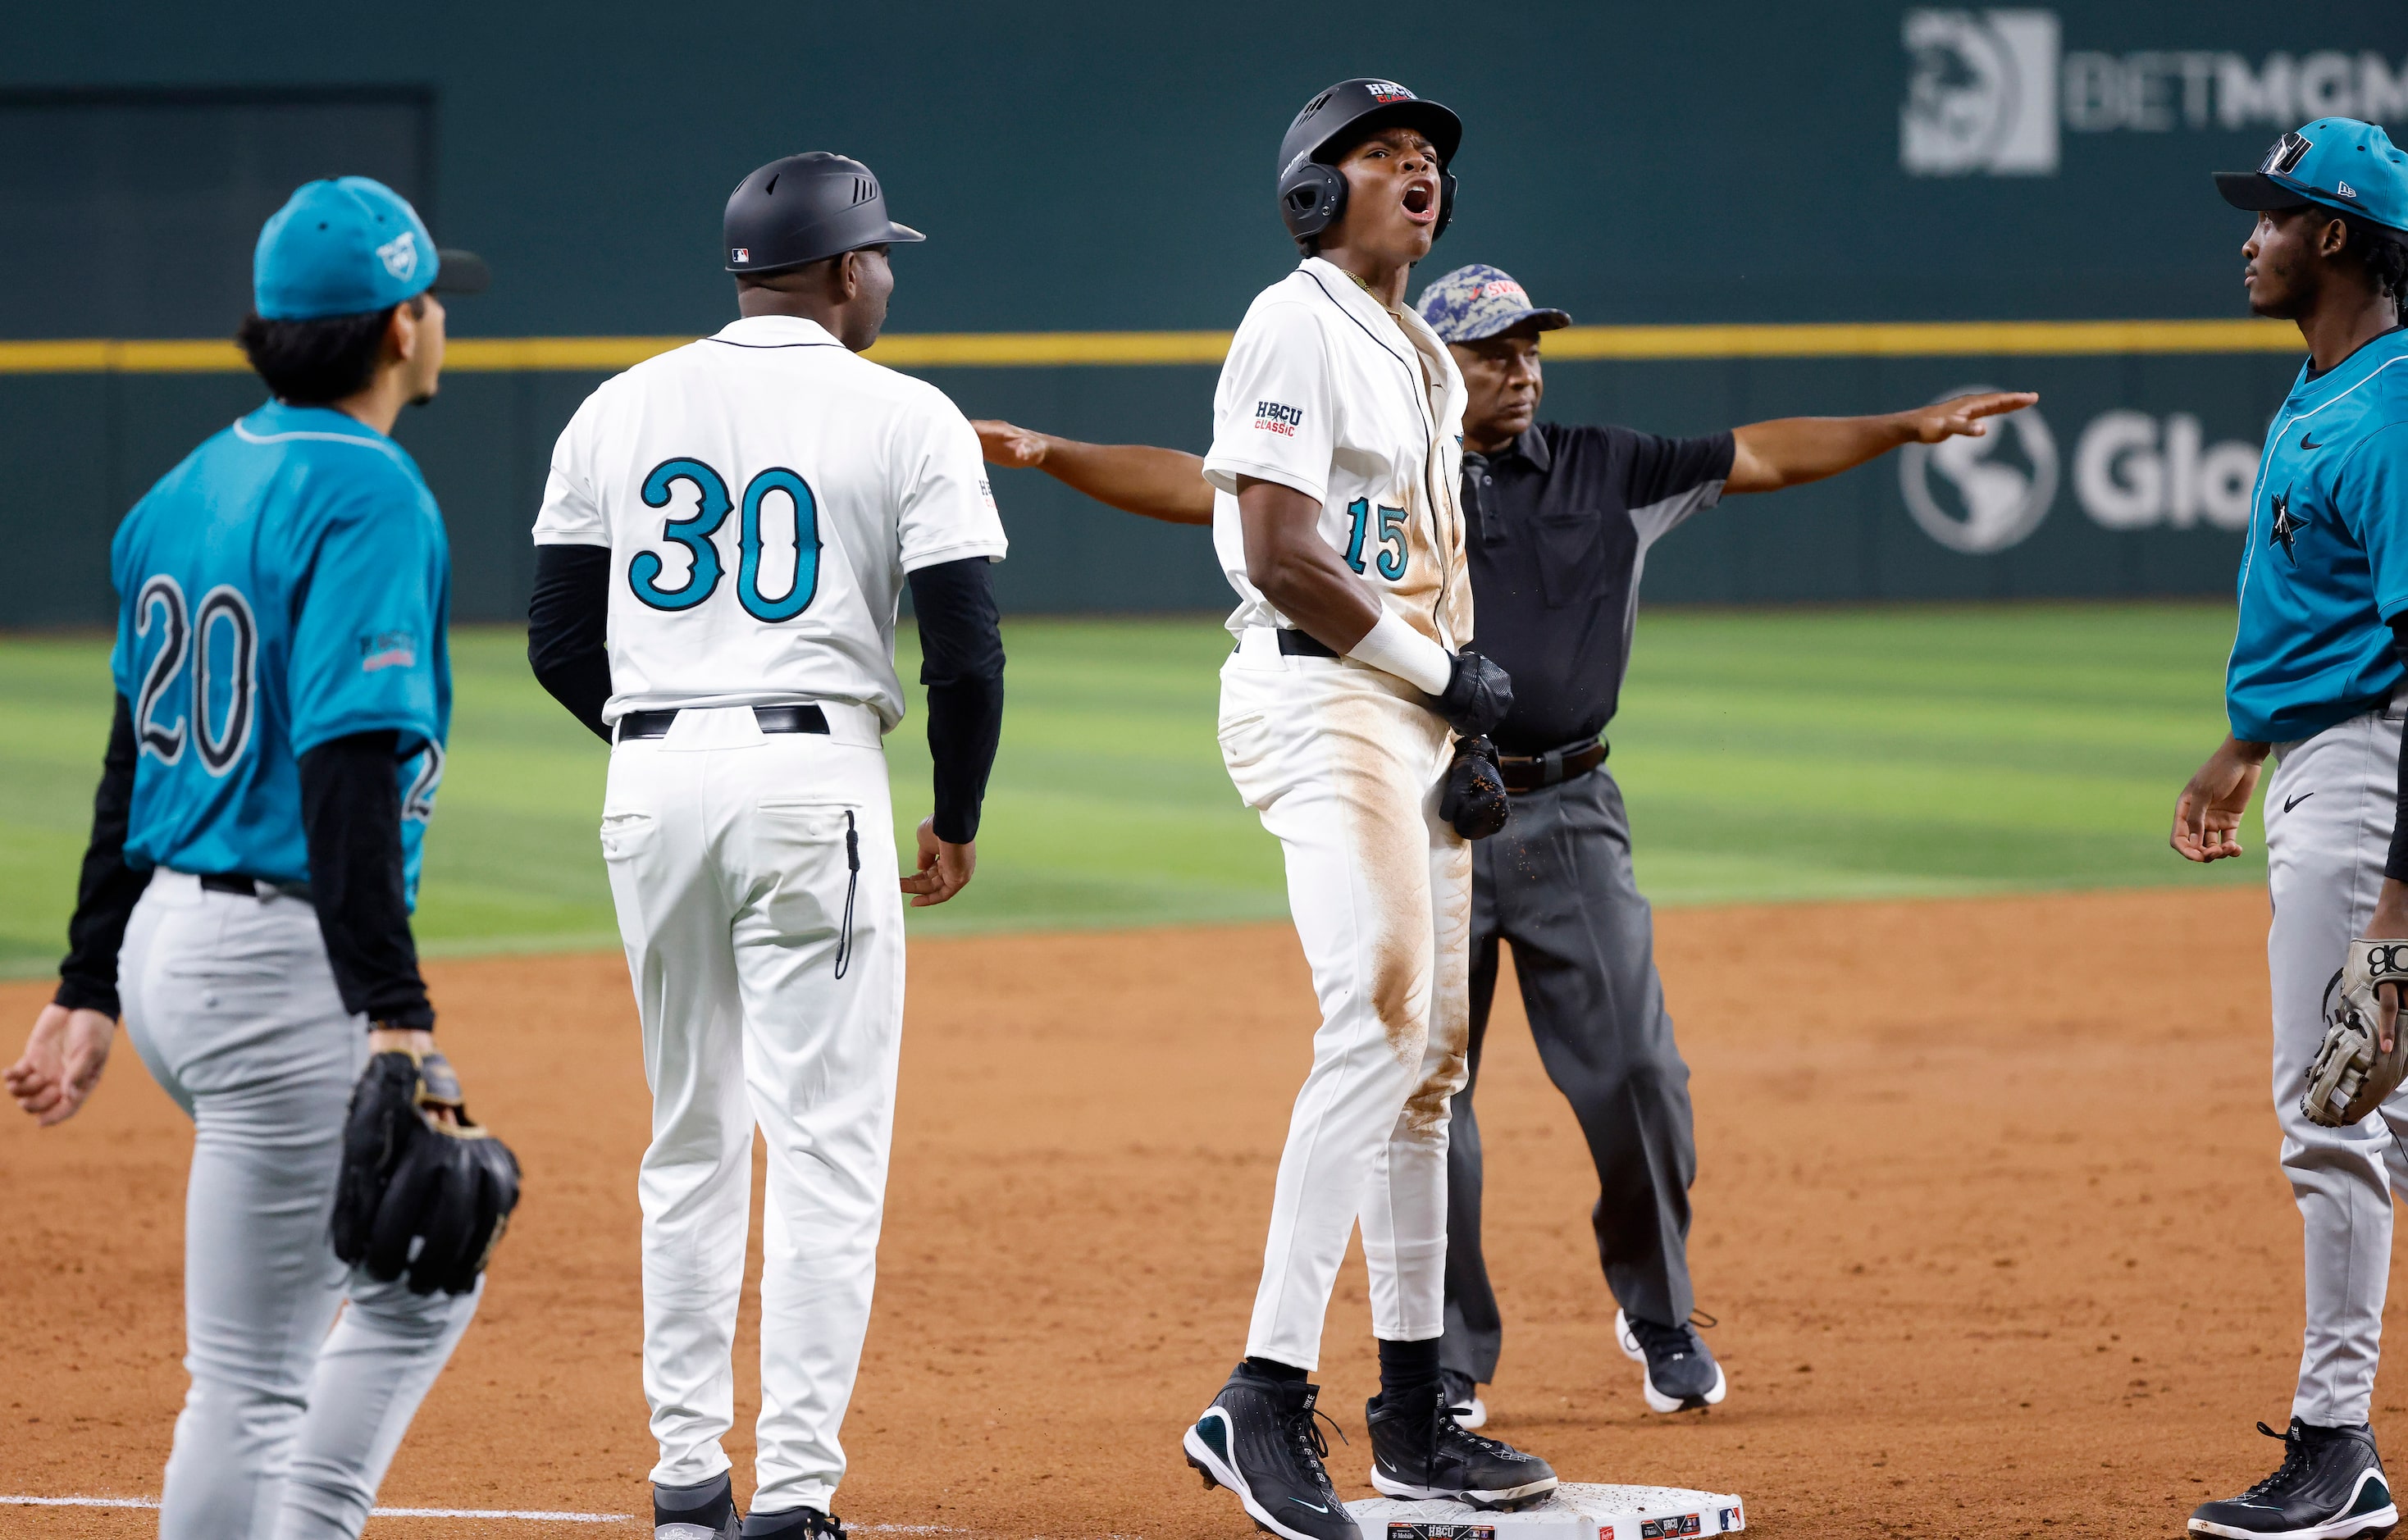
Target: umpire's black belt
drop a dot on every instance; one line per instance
(773, 718)
(1531, 771)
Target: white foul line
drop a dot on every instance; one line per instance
(374, 1513)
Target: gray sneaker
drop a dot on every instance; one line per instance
(1681, 1374)
(707, 1512)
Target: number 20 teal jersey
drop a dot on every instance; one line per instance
(286, 585)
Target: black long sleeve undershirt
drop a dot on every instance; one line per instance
(350, 812)
(961, 646)
(568, 630)
(107, 890)
(961, 664)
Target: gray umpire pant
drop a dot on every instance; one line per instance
(1556, 885)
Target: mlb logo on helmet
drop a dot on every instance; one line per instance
(742, 253)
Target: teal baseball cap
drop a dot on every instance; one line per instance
(344, 246)
(2335, 163)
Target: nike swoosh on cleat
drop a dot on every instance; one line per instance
(1302, 1503)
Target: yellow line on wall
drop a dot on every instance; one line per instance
(1054, 349)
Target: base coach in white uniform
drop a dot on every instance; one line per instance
(723, 545)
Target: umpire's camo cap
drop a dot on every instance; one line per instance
(1481, 301)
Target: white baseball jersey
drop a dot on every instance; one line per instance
(1360, 408)
(763, 492)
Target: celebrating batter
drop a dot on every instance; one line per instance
(1335, 453)
(723, 544)
(283, 692)
(2315, 678)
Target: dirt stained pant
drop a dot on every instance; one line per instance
(2329, 809)
(755, 880)
(1345, 764)
(287, 1427)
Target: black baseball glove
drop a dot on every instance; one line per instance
(423, 1191)
(1478, 694)
(1474, 801)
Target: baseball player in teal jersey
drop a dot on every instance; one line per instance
(2315, 678)
(282, 696)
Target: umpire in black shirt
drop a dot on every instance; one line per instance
(1557, 525)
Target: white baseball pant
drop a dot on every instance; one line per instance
(728, 856)
(287, 1429)
(1346, 764)
(2329, 809)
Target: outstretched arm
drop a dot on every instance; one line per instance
(1165, 484)
(1790, 451)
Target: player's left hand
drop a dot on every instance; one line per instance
(1961, 416)
(62, 1063)
(945, 867)
(1004, 444)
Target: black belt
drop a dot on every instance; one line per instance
(1296, 644)
(251, 887)
(1529, 773)
(773, 718)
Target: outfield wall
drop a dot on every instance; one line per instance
(1714, 167)
(2130, 486)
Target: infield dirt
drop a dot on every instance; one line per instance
(1987, 1206)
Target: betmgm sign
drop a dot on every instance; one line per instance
(1996, 92)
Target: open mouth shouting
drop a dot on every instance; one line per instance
(1421, 200)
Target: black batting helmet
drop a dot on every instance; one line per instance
(806, 207)
(1313, 192)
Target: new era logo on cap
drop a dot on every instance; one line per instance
(2346, 189)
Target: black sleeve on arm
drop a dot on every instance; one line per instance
(1661, 468)
(351, 810)
(2395, 866)
(106, 893)
(567, 628)
(961, 652)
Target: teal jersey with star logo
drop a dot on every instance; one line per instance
(2326, 565)
(286, 585)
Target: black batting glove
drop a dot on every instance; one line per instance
(1478, 694)
(1474, 803)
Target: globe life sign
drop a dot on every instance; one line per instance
(2131, 471)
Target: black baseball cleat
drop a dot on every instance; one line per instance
(704, 1512)
(1258, 1438)
(1419, 1450)
(1681, 1374)
(2329, 1486)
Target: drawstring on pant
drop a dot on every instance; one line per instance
(851, 882)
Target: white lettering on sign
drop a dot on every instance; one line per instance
(2133, 471)
(1987, 91)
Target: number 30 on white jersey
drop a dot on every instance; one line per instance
(763, 492)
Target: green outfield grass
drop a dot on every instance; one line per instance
(1797, 754)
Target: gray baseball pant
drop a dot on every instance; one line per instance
(1556, 886)
(289, 1425)
(2329, 806)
